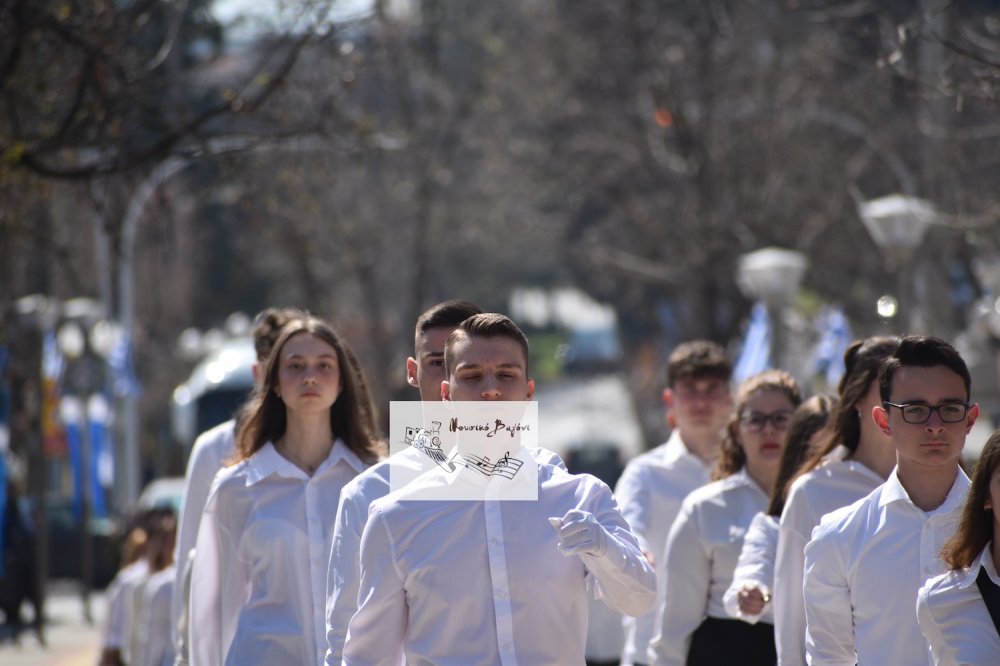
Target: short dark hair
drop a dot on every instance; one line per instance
(922, 351)
(485, 325)
(267, 327)
(975, 528)
(698, 359)
(445, 314)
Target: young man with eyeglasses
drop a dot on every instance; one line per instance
(650, 491)
(866, 561)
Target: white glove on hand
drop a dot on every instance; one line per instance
(580, 534)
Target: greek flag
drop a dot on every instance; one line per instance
(835, 336)
(755, 355)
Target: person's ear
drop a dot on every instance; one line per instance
(881, 418)
(970, 417)
(411, 372)
(531, 388)
(445, 390)
(668, 398)
(256, 370)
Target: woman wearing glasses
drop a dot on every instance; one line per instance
(959, 611)
(853, 460)
(753, 581)
(707, 536)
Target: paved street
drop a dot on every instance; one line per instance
(71, 642)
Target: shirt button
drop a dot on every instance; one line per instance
(506, 647)
(501, 594)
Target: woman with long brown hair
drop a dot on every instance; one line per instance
(959, 611)
(853, 460)
(707, 535)
(258, 588)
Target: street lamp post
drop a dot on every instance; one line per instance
(897, 223)
(773, 275)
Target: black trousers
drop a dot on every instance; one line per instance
(726, 642)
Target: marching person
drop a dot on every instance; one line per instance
(259, 578)
(653, 485)
(855, 458)
(496, 581)
(753, 580)
(866, 562)
(707, 536)
(959, 611)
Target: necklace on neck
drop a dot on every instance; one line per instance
(287, 453)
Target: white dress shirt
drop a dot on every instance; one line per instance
(156, 646)
(954, 618)
(834, 484)
(451, 582)
(343, 576)
(120, 596)
(702, 550)
(258, 587)
(210, 450)
(650, 492)
(755, 567)
(863, 569)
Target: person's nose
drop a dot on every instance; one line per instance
(934, 423)
(491, 388)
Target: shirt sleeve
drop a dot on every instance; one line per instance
(930, 629)
(633, 497)
(688, 567)
(625, 581)
(827, 595)
(754, 568)
(343, 574)
(113, 624)
(789, 604)
(203, 464)
(376, 632)
(218, 582)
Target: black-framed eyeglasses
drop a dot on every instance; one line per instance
(950, 412)
(757, 421)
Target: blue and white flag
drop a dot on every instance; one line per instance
(835, 336)
(123, 379)
(755, 355)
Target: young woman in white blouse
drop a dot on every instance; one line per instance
(959, 611)
(853, 460)
(258, 588)
(707, 535)
(753, 581)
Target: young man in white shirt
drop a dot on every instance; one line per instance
(425, 372)
(650, 491)
(867, 561)
(493, 581)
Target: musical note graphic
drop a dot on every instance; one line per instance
(506, 467)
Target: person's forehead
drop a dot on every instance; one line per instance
(307, 344)
(912, 383)
(495, 350)
(432, 340)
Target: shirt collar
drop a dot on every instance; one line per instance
(893, 491)
(985, 560)
(742, 478)
(676, 450)
(267, 461)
